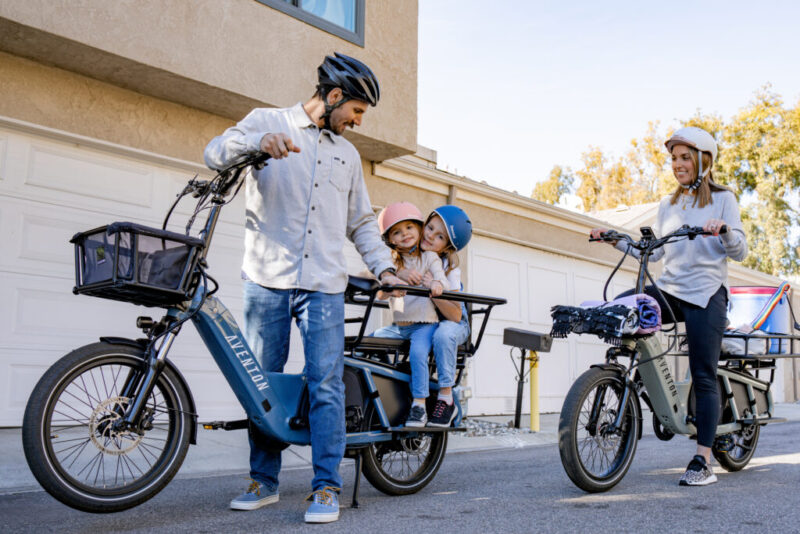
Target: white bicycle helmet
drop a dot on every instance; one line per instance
(700, 140)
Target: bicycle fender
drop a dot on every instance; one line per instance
(142, 344)
(611, 367)
(622, 369)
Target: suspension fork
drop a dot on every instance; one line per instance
(628, 385)
(155, 360)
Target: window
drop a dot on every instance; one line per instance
(343, 18)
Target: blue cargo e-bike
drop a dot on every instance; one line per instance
(109, 424)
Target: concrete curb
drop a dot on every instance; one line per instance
(223, 453)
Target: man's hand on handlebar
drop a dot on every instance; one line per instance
(278, 145)
(389, 279)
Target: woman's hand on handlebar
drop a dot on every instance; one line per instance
(715, 226)
(597, 234)
(278, 145)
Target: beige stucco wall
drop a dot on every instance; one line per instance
(63, 100)
(222, 57)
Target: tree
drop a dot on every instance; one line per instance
(557, 185)
(761, 158)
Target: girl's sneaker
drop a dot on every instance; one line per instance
(698, 473)
(417, 416)
(443, 414)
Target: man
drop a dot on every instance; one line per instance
(299, 209)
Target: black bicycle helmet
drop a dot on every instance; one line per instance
(355, 79)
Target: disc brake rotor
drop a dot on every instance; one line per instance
(102, 432)
(605, 440)
(414, 446)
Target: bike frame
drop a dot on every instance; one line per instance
(269, 399)
(750, 399)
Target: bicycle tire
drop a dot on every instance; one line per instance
(745, 441)
(73, 451)
(580, 444)
(403, 466)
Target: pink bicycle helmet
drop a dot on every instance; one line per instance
(398, 212)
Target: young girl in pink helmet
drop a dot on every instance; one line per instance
(413, 318)
(446, 231)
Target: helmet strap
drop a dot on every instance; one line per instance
(700, 174)
(326, 117)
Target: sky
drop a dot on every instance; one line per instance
(508, 89)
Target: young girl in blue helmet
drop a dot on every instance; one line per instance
(446, 231)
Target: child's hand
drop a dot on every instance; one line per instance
(411, 276)
(436, 288)
(427, 278)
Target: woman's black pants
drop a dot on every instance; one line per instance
(704, 329)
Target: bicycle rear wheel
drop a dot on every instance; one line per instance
(406, 465)
(70, 441)
(744, 447)
(595, 455)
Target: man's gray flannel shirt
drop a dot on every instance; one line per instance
(301, 208)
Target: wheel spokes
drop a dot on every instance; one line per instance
(85, 442)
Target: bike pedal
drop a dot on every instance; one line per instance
(213, 425)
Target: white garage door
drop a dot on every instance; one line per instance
(51, 189)
(532, 281)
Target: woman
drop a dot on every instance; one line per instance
(694, 277)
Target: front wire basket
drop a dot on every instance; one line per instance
(138, 264)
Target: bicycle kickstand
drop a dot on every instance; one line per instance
(357, 482)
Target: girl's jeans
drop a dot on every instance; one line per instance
(448, 336)
(320, 317)
(421, 337)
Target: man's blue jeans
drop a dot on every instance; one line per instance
(320, 317)
(446, 339)
(421, 336)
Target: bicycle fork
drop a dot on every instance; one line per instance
(139, 385)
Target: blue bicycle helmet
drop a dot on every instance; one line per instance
(459, 227)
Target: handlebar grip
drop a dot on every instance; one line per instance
(259, 160)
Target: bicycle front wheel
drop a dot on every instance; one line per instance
(595, 453)
(72, 445)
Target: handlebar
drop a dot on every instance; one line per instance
(650, 242)
(226, 178)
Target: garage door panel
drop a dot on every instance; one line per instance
(492, 357)
(43, 312)
(499, 277)
(620, 284)
(588, 288)
(38, 235)
(20, 369)
(554, 368)
(3, 156)
(588, 351)
(90, 175)
(546, 288)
